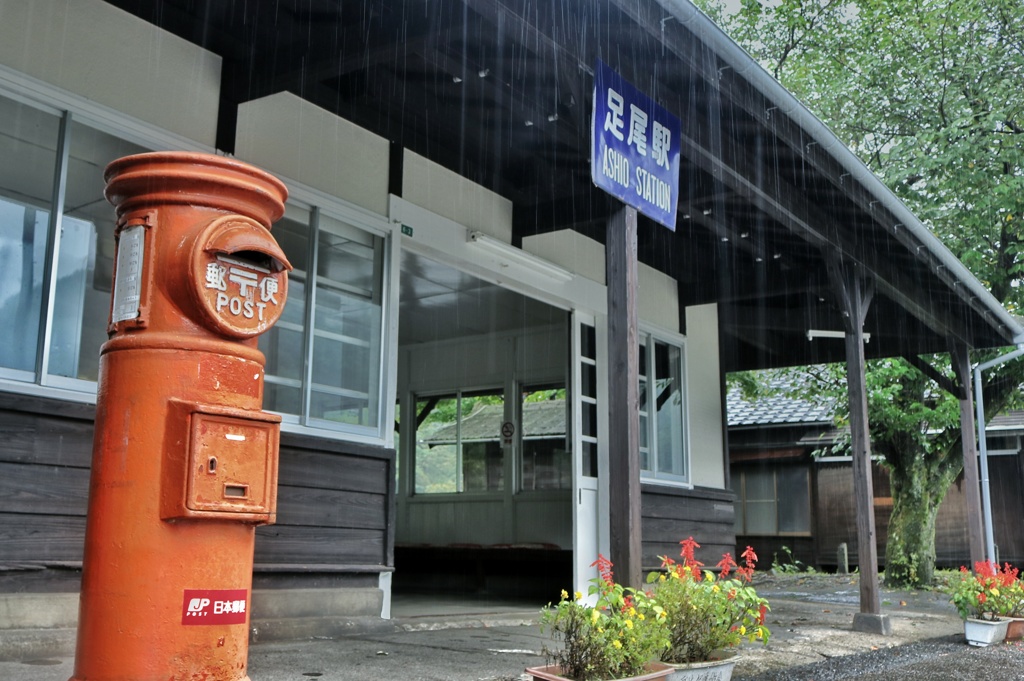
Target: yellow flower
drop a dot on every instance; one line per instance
(759, 633)
(565, 594)
(632, 612)
(594, 616)
(617, 643)
(715, 588)
(661, 578)
(995, 592)
(578, 596)
(743, 630)
(629, 624)
(640, 617)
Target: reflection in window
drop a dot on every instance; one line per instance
(86, 262)
(772, 501)
(284, 344)
(458, 443)
(28, 140)
(546, 461)
(347, 325)
(663, 450)
(330, 379)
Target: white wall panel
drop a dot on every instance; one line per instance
(305, 143)
(704, 390)
(450, 195)
(94, 50)
(570, 249)
(658, 299)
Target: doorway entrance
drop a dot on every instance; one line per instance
(484, 430)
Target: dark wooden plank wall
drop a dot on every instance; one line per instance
(834, 514)
(672, 514)
(45, 453)
(334, 498)
(333, 510)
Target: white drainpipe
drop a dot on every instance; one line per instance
(986, 499)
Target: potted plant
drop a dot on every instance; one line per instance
(981, 599)
(708, 616)
(620, 636)
(1013, 598)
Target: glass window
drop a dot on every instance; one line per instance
(772, 501)
(284, 344)
(347, 325)
(28, 140)
(588, 401)
(85, 264)
(325, 373)
(546, 461)
(663, 445)
(458, 443)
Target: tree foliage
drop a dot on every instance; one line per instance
(928, 95)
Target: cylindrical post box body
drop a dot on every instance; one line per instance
(184, 459)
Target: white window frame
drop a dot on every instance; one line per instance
(648, 337)
(47, 98)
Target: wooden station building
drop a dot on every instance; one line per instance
(450, 251)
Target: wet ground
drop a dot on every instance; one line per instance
(812, 640)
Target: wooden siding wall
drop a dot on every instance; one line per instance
(671, 514)
(833, 518)
(334, 509)
(45, 454)
(834, 513)
(335, 500)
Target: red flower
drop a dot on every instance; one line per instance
(726, 565)
(689, 545)
(604, 568)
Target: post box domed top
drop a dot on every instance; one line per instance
(194, 179)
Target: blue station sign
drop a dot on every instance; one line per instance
(635, 147)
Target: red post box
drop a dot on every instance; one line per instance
(184, 459)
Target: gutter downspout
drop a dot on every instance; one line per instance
(986, 499)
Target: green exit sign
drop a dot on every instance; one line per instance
(407, 230)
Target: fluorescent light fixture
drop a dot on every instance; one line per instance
(817, 333)
(509, 254)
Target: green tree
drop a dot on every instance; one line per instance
(928, 94)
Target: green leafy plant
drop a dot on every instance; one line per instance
(990, 592)
(614, 638)
(704, 613)
(790, 565)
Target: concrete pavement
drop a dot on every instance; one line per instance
(812, 639)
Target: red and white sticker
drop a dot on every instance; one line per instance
(214, 606)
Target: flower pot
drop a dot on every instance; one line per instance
(552, 672)
(1015, 629)
(985, 632)
(719, 669)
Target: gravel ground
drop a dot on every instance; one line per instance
(812, 637)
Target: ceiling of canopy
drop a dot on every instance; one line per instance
(500, 91)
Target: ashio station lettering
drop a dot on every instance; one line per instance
(635, 153)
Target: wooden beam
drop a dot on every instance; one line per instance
(959, 356)
(943, 382)
(854, 292)
(623, 398)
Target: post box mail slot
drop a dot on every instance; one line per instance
(230, 468)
